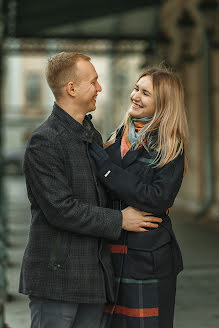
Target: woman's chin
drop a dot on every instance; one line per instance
(134, 113)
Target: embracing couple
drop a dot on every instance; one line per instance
(101, 250)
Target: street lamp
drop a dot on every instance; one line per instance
(186, 25)
(164, 43)
(149, 54)
(155, 47)
(185, 21)
(209, 8)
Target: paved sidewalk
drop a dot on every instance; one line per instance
(17, 312)
(197, 301)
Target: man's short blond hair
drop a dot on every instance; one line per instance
(62, 69)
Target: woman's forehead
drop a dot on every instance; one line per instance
(145, 82)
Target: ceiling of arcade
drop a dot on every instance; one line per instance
(173, 27)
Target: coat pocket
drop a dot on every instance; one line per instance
(163, 260)
(144, 264)
(140, 264)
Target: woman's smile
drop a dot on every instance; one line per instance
(142, 99)
(135, 105)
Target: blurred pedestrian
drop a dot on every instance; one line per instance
(143, 166)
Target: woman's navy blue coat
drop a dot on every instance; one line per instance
(146, 263)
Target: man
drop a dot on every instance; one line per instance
(66, 269)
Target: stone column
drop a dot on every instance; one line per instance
(214, 212)
(192, 190)
(2, 212)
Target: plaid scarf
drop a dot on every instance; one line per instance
(133, 130)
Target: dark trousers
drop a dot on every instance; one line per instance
(46, 313)
(167, 293)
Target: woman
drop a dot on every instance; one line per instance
(143, 166)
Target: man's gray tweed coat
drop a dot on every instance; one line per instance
(66, 257)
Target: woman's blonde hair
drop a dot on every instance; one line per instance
(167, 132)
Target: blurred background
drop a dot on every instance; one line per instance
(121, 37)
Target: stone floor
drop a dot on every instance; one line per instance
(197, 301)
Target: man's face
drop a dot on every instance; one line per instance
(88, 86)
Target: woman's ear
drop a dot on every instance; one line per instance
(70, 88)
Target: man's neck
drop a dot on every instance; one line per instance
(71, 110)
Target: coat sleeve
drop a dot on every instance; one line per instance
(155, 197)
(50, 191)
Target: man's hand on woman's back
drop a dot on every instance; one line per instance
(138, 221)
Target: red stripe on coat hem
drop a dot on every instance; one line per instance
(130, 312)
(118, 249)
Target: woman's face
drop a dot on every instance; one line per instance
(142, 98)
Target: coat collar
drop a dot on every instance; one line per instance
(130, 157)
(115, 154)
(85, 131)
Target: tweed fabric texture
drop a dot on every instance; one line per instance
(67, 257)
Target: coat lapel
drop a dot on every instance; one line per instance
(114, 152)
(130, 157)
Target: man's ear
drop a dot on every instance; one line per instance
(70, 88)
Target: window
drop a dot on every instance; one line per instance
(33, 90)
